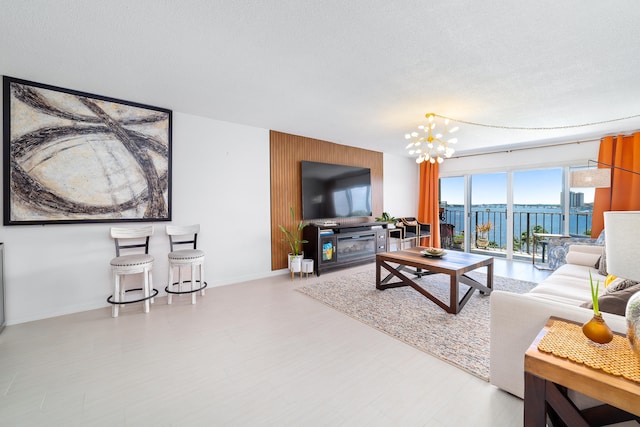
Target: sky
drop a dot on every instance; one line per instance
(540, 186)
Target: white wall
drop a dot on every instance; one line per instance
(401, 186)
(220, 180)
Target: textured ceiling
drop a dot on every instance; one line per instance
(357, 72)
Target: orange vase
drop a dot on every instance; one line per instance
(597, 330)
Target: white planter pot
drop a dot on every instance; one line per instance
(295, 263)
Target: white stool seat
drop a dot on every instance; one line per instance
(182, 258)
(123, 265)
(137, 260)
(187, 255)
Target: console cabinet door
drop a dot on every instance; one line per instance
(327, 250)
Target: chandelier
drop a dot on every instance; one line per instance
(429, 144)
(433, 148)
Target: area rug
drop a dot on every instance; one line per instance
(403, 313)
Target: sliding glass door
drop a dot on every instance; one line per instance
(505, 209)
(537, 208)
(452, 217)
(488, 220)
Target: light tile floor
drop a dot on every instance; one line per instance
(251, 354)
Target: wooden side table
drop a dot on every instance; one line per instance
(547, 378)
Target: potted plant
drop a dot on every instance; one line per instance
(482, 235)
(295, 242)
(458, 240)
(388, 219)
(596, 329)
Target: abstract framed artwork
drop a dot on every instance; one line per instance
(74, 157)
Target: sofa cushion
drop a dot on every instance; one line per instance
(615, 302)
(568, 284)
(583, 258)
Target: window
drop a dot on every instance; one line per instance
(489, 211)
(517, 204)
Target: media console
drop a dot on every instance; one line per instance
(332, 246)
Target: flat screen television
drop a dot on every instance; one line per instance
(335, 191)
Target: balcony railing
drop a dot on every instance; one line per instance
(525, 223)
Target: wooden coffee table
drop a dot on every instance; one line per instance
(453, 263)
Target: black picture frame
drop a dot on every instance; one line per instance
(74, 157)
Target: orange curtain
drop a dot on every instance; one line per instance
(622, 152)
(428, 205)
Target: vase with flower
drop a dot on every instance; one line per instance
(596, 329)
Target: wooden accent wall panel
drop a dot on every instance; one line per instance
(287, 151)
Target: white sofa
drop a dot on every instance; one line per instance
(516, 319)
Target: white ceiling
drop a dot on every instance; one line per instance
(359, 72)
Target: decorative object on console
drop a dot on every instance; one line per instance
(74, 157)
(622, 248)
(388, 219)
(596, 329)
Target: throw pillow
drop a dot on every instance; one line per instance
(610, 279)
(620, 284)
(614, 302)
(602, 268)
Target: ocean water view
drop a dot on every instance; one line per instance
(541, 218)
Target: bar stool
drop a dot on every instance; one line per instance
(193, 258)
(135, 263)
